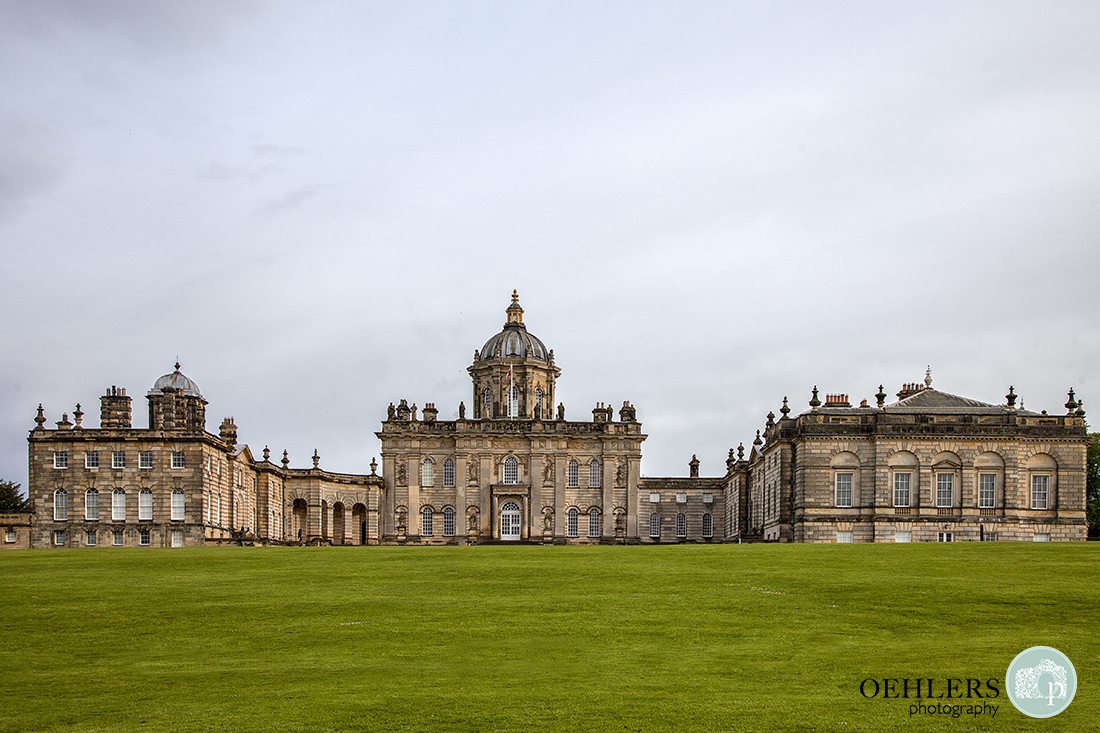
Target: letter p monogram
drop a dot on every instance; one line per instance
(1061, 691)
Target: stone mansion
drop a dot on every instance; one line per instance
(929, 466)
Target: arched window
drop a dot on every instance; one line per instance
(426, 521)
(118, 505)
(60, 504)
(448, 522)
(571, 523)
(681, 525)
(573, 476)
(708, 526)
(593, 522)
(427, 472)
(145, 505)
(487, 400)
(511, 470)
(510, 521)
(538, 400)
(448, 472)
(594, 473)
(513, 402)
(655, 526)
(177, 505)
(91, 505)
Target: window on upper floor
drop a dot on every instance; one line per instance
(573, 475)
(844, 489)
(945, 489)
(511, 470)
(594, 474)
(178, 460)
(513, 402)
(538, 400)
(427, 472)
(118, 459)
(91, 459)
(902, 489)
(61, 459)
(987, 490)
(145, 459)
(178, 499)
(448, 473)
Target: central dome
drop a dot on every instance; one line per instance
(176, 380)
(514, 342)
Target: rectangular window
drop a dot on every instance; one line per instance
(89, 538)
(989, 537)
(10, 536)
(1042, 537)
(681, 498)
(708, 498)
(59, 537)
(448, 522)
(655, 526)
(118, 459)
(945, 490)
(844, 489)
(145, 459)
(177, 459)
(573, 475)
(144, 537)
(448, 473)
(843, 537)
(177, 505)
(987, 490)
(594, 474)
(61, 459)
(946, 537)
(118, 505)
(903, 536)
(177, 538)
(91, 505)
(91, 459)
(903, 484)
(1039, 491)
(654, 497)
(594, 523)
(116, 538)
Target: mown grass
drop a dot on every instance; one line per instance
(688, 638)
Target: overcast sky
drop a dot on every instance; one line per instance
(323, 207)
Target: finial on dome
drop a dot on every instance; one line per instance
(177, 363)
(514, 311)
(928, 377)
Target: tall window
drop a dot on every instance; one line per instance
(487, 399)
(655, 525)
(538, 401)
(513, 402)
(594, 473)
(681, 525)
(91, 459)
(426, 521)
(91, 505)
(1040, 486)
(844, 489)
(61, 459)
(448, 472)
(571, 522)
(593, 522)
(945, 489)
(448, 522)
(573, 475)
(178, 459)
(427, 472)
(708, 526)
(903, 483)
(118, 505)
(177, 505)
(987, 490)
(511, 470)
(145, 505)
(60, 504)
(118, 459)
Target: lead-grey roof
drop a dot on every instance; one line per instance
(934, 398)
(176, 380)
(514, 342)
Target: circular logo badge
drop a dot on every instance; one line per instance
(1041, 682)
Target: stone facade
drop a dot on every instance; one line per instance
(929, 467)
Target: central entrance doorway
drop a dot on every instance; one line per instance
(509, 521)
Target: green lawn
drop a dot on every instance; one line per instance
(746, 638)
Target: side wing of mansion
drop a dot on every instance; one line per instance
(930, 466)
